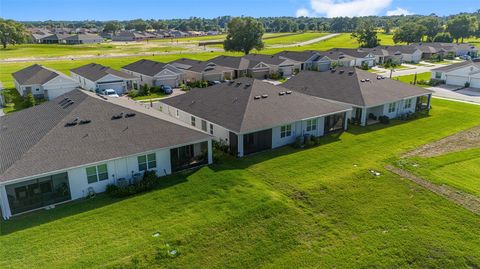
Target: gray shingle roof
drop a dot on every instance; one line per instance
(299, 56)
(268, 59)
(198, 66)
(47, 145)
(238, 63)
(337, 53)
(84, 37)
(146, 67)
(95, 72)
(455, 66)
(348, 88)
(34, 74)
(233, 105)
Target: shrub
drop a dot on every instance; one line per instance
(29, 100)
(365, 66)
(133, 93)
(111, 189)
(298, 142)
(148, 182)
(384, 119)
(467, 84)
(275, 76)
(435, 82)
(144, 90)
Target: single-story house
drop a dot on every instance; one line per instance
(154, 73)
(250, 115)
(54, 39)
(398, 54)
(261, 65)
(351, 57)
(79, 143)
(310, 59)
(83, 39)
(239, 65)
(42, 82)
(129, 36)
(370, 95)
(96, 77)
(195, 70)
(465, 49)
(459, 74)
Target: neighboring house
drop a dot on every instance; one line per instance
(154, 73)
(83, 39)
(96, 77)
(198, 70)
(128, 36)
(459, 74)
(465, 49)
(79, 143)
(310, 59)
(351, 57)
(239, 65)
(54, 39)
(261, 65)
(370, 95)
(250, 115)
(42, 82)
(397, 54)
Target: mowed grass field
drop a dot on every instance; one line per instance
(460, 170)
(286, 208)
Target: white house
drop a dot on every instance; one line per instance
(42, 82)
(310, 59)
(79, 143)
(250, 115)
(459, 74)
(154, 73)
(370, 95)
(96, 77)
(260, 65)
(195, 70)
(351, 57)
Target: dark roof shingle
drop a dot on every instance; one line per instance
(95, 72)
(34, 74)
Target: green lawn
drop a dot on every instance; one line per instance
(411, 78)
(292, 39)
(285, 208)
(460, 170)
(150, 96)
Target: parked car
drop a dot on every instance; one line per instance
(166, 89)
(110, 93)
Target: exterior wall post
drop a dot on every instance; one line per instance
(4, 205)
(363, 121)
(240, 145)
(210, 152)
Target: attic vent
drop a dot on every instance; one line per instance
(281, 93)
(379, 77)
(333, 70)
(367, 80)
(350, 73)
(288, 92)
(239, 83)
(64, 100)
(341, 57)
(129, 115)
(362, 80)
(341, 71)
(72, 123)
(118, 116)
(231, 82)
(85, 122)
(248, 85)
(69, 103)
(256, 97)
(264, 95)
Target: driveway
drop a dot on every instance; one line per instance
(469, 95)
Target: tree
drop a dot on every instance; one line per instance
(462, 26)
(443, 37)
(432, 27)
(29, 100)
(366, 34)
(387, 27)
(12, 32)
(112, 26)
(244, 34)
(409, 32)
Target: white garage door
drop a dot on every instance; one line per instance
(212, 77)
(167, 82)
(475, 83)
(118, 86)
(287, 71)
(456, 80)
(323, 66)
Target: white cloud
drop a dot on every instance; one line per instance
(302, 12)
(398, 11)
(347, 8)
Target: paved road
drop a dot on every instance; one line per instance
(469, 95)
(311, 41)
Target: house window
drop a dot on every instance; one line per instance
(147, 162)
(311, 125)
(141, 78)
(204, 125)
(408, 103)
(192, 118)
(391, 107)
(286, 131)
(438, 75)
(97, 173)
(211, 129)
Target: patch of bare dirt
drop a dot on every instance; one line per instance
(460, 141)
(468, 201)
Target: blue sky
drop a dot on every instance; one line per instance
(30, 10)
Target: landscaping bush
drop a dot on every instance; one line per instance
(467, 84)
(144, 90)
(435, 82)
(148, 182)
(29, 100)
(298, 142)
(275, 76)
(436, 58)
(365, 66)
(133, 93)
(384, 119)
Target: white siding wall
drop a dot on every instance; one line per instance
(400, 108)
(84, 83)
(298, 128)
(143, 79)
(59, 86)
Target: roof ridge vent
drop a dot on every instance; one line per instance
(362, 80)
(367, 80)
(281, 93)
(351, 73)
(84, 122)
(288, 92)
(341, 71)
(118, 116)
(71, 123)
(256, 97)
(264, 96)
(130, 114)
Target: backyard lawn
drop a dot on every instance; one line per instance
(286, 208)
(411, 78)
